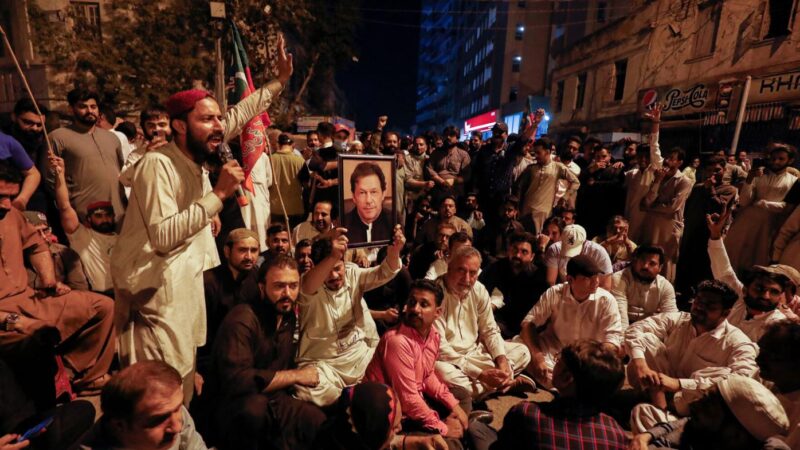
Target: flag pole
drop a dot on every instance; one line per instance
(27, 88)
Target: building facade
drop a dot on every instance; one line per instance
(692, 56)
(19, 19)
(481, 59)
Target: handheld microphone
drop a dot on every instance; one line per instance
(225, 154)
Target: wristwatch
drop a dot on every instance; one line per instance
(10, 324)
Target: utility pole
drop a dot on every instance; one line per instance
(218, 16)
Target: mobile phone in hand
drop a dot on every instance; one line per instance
(36, 430)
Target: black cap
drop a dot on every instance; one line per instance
(284, 139)
(583, 265)
(500, 128)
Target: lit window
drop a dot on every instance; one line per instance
(516, 62)
(520, 31)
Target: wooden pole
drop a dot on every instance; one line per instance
(27, 88)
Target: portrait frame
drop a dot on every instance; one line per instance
(350, 214)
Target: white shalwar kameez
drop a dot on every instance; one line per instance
(670, 344)
(337, 333)
(471, 340)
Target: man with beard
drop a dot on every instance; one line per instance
(338, 335)
(92, 157)
(709, 197)
(473, 355)
(682, 354)
(538, 185)
(93, 239)
(663, 205)
(254, 373)
(447, 214)
(520, 281)
(27, 129)
(404, 360)
(766, 287)
(761, 199)
(390, 146)
(319, 222)
(640, 290)
(229, 284)
(567, 313)
(415, 175)
(448, 166)
(322, 170)
(167, 242)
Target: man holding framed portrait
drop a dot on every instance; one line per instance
(368, 201)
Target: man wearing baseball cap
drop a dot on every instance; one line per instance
(167, 243)
(572, 311)
(574, 243)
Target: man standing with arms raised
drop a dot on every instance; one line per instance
(166, 244)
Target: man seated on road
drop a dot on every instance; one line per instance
(143, 408)
(254, 372)
(54, 314)
(684, 353)
(519, 282)
(574, 243)
(337, 333)
(765, 289)
(473, 355)
(569, 312)
(737, 413)
(640, 290)
(779, 361)
(586, 375)
(405, 359)
(439, 267)
(277, 242)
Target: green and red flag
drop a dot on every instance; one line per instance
(254, 134)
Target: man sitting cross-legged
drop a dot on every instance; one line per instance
(683, 353)
(473, 355)
(405, 360)
(569, 312)
(337, 333)
(254, 371)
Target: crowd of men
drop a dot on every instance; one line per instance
(652, 295)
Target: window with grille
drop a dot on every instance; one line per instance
(87, 18)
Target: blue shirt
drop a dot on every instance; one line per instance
(11, 149)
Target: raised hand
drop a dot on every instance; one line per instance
(285, 61)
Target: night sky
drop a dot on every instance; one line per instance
(384, 80)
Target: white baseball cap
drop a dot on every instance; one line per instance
(572, 239)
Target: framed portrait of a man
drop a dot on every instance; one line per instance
(367, 204)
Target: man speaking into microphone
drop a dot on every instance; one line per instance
(166, 243)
